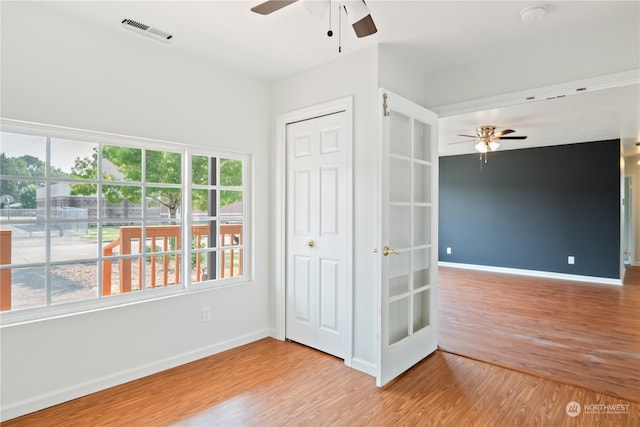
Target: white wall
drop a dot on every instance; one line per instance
(56, 70)
(397, 74)
(579, 56)
(358, 74)
(352, 75)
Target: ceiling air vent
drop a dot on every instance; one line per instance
(146, 30)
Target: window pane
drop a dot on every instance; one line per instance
(231, 258)
(27, 287)
(203, 266)
(230, 202)
(121, 202)
(21, 155)
(230, 263)
(163, 167)
(20, 197)
(121, 163)
(27, 242)
(75, 158)
(203, 170)
(230, 172)
(70, 240)
(73, 282)
(203, 203)
(163, 202)
(120, 275)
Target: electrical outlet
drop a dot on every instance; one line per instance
(448, 251)
(571, 259)
(206, 314)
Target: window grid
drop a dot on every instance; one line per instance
(102, 222)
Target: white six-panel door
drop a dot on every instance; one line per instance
(316, 245)
(407, 251)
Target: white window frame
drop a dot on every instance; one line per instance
(38, 313)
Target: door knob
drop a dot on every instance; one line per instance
(386, 251)
(310, 244)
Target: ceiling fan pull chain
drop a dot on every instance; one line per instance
(330, 32)
(340, 28)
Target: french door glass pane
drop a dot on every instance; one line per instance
(421, 183)
(421, 225)
(400, 134)
(399, 180)
(398, 320)
(421, 267)
(421, 309)
(422, 141)
(399, 226)
(398, 276)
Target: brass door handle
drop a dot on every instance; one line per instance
(386, 251)
(310, 244)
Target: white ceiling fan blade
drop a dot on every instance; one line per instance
(360, 18)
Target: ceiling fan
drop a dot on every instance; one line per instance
(486, 137)
(357, 11)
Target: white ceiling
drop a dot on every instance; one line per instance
(436, 35)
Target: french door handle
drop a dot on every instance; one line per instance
(386, 251)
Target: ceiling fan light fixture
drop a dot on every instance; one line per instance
(494, 145)
(481, 147)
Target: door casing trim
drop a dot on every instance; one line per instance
(280, 230)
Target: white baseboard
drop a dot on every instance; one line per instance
(46, 400)
(363, 366)
(534, 273)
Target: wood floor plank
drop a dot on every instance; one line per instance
(572, 332)
(564, 333)
(274, 383)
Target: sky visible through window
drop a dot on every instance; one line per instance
(63, 153)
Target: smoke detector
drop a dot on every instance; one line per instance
(531, 14)
(147, 30)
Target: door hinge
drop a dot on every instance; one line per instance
(385, 106)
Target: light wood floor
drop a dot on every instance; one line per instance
(576, 333)
(273, 383)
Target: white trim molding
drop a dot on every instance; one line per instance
(533, 273)
(45, 400)
(608, 81)
(280, 232)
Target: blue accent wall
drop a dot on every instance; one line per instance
(532, 208)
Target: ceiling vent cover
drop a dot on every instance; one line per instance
(146, 30)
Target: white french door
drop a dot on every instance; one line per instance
(317, 245)
(407, 249)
